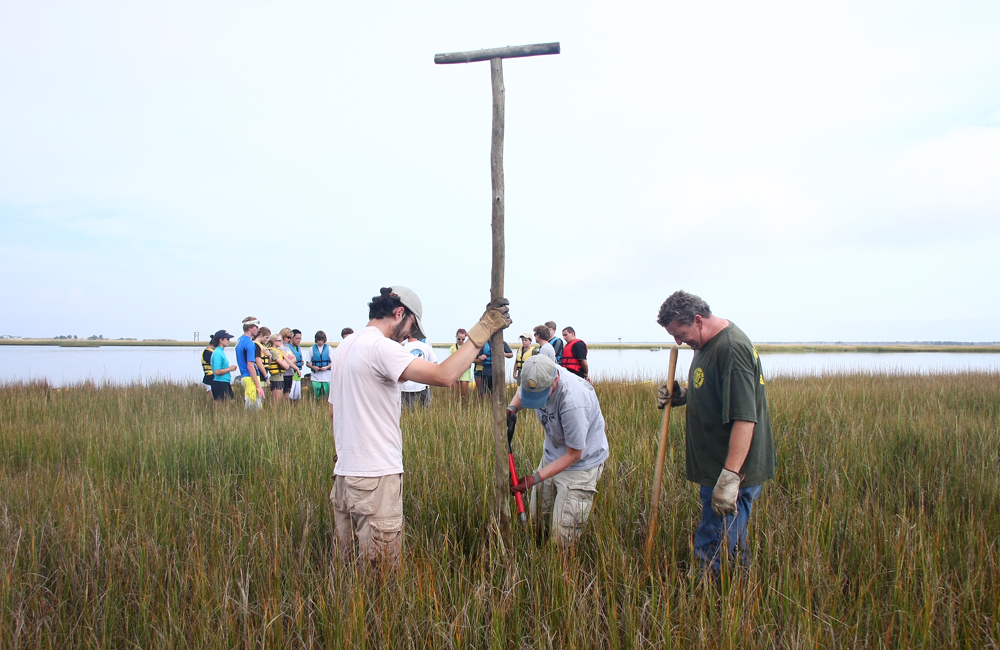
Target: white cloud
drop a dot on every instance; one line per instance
(795, 135)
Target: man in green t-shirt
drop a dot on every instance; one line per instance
(730, 451)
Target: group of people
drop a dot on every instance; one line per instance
(571, 355)
(266, 362)
(729, 447)
(388, 365)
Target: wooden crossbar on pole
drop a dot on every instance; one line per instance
(498, 53)
(495, 56)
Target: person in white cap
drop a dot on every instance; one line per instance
(523, 354)
(366, 373)
(574, 451)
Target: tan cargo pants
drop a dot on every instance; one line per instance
(568, 498)
(368, 512)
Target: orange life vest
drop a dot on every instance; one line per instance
(570, 362)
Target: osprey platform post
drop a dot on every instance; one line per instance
(495, 57)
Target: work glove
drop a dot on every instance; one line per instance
(727, 489)
(526, 483)
(495, 318)
(511, 419)
(680, 396)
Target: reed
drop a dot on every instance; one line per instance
(147, 517)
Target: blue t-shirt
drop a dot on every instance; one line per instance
(245, 350)
(220, 362)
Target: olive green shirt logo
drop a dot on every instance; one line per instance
(699, 377)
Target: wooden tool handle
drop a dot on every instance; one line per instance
(654, 505)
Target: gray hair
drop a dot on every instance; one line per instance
(681, 308)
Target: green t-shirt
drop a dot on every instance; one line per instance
(726, 384)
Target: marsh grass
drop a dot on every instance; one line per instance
(147, 517)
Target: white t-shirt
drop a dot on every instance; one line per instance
(547, 350)
(364, 392)
(321, 375)
(419, 350)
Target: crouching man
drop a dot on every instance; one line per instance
(730, 452)
(366, 374)
(575, 447)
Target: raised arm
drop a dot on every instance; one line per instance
(447, 373)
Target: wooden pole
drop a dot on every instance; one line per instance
(496, 291)
(498, 53)
(496, 56)
(654, 506)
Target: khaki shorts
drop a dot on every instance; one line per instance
(568, 497)
(368, 512)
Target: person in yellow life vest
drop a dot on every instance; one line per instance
(523, 354)
(276, 364)
(261, 356)
(477, 376)
(462, 385)
(206, 367)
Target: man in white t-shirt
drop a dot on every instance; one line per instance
(366, 372)
(542, 336)
(416, 394)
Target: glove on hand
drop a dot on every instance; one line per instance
(727, 489)
(679, 396)
(511, 417)
(526, 483)
(495, 318)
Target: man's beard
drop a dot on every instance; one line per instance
(397, 332)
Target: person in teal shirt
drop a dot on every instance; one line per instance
(222, 388)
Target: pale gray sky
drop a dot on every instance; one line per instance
(815, 172)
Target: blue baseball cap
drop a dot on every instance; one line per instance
(536, 378)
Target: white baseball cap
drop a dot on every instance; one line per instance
(411, 302)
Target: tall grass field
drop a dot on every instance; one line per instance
(147, 517)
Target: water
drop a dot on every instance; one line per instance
(653, 365)
(66, 366)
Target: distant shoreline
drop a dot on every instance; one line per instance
(772, 348)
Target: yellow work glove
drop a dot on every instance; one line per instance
(727, 490)
(495, 318)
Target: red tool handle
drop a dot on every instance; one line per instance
(514, 481)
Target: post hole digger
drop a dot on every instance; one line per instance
(522, 518)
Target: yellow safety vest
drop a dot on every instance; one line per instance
(521, 357)
(271, 363)
(207, 367)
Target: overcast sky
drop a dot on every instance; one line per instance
(815, 171)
